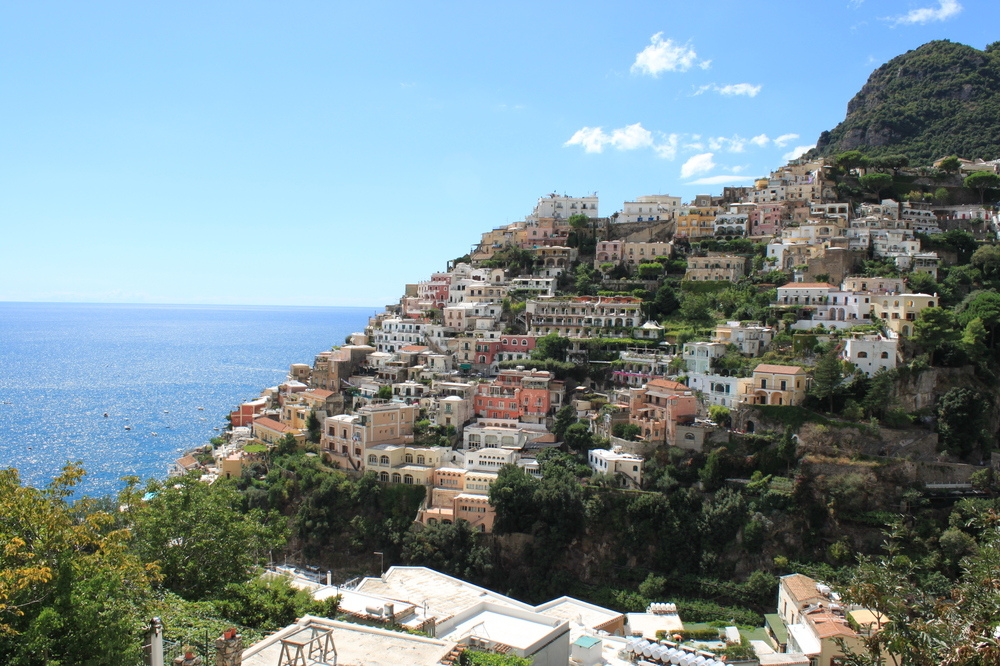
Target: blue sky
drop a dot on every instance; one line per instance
(326, 153)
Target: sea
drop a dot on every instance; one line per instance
(127, 389)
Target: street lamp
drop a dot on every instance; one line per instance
(381, 562)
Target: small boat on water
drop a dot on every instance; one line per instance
(105, 415)
(201, 408)
(128, 427)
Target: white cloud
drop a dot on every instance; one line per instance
(944, 11)
(630, 137)
(733, 89)
(721, 180)
(592, 139)
(701, 163)
(760, 140)
(797, 151)
(733, 144)
(785, 139)
(665, 55)
(667, 149)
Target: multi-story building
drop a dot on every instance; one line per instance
(636, 252)
(695, 222)
(345, 436)
(900, 311)
(659, 406)
(719, 389)
(562, 207)
(403, 463)
(651, 208)
(627, 467)
(579, 316)
(394, 333)
(751, 338)
(777, 385)
(520, 395)
(500, 433)
(698, 356)
(716, 267)
(639, 367)
(873, 285)
(871, 352)
(732, 223)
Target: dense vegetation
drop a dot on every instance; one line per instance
(940, 99)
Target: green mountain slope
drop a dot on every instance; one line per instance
(940, 99)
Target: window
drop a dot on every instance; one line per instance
(408, 479)
(884, 355)
(384, 476)
(409, 457)
(372, 459)
(420, 460)
(384, 460)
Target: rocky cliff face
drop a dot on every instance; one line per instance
(940, 99)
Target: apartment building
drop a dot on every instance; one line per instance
(580, 316)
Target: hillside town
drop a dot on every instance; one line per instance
(573, 333)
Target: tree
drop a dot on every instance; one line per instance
(314, 427)
(876, 183)
(629, 431)
(197, 534)
(961, 421)
(942, 196)
(565, 417)
(850, 159)
(578, 438)
(987, 260)
(950, 164)
(551, 346)
(384, 392)
(72, 590)
(664, 303)
(934, 329)
(650, 271)
(981, 181)
(826, 376)
(696, 308)
(512, 496)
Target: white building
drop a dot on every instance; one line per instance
(751, 338)
(699, 355)
(871, 352)
(561, 207)
(720, 390)
(650, 208)
(617, 463)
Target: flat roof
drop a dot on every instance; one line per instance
(446, 595)
(578, 612)
(517, 632)
(355, 644)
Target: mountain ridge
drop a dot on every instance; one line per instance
(940, 99)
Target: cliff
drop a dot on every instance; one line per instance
(937, 100)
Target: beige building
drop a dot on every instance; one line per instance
(269, 431)
(900, 311)
(625, 466)
(715, 267)
(404, 463)
(635, 253)
(777, 385)
(346, 436)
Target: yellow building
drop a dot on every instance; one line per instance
(696, 222)
(900, 311)
(777, 385)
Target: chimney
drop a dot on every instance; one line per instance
(229, 649)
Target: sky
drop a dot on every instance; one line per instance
(327, 153)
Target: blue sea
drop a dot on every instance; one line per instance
(170, 372)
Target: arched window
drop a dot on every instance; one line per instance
(884, 355)
(862, 354)
(409, 457)
(384, 460)
(408, 479)
(373, 459)
(689, 435)
(396, 478)
(384, 477)
(420, 460)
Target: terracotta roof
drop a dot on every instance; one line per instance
(320, 393)
(668, 384)
(413, 348)
(188, 461)
(801, 587)
(808, 285)
(271, 424)
(778, 369)
(828, 624)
